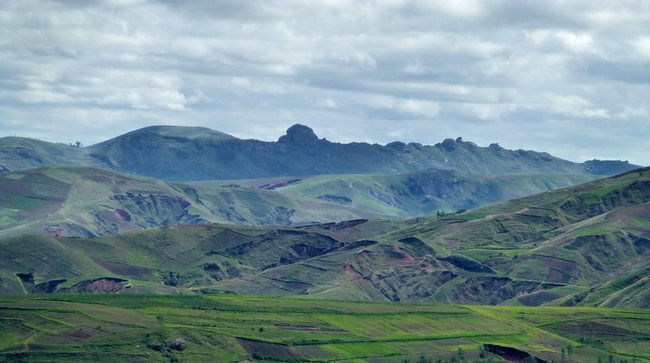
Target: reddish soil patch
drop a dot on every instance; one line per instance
(124, 215)
(596, 328)
(559, 269)
(642, 211)
(555, 275)
(364, 255)
(81, 333)
(54, 230)
(264, 350)
(538, 299)
(125, 269)
(401, 257)
(104, 284)
(66, 229)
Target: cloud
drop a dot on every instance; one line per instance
(563, 77)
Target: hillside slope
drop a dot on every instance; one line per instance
(78, 201)
(582, 245)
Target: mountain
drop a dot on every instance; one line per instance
(582, 245)
(194, 153)
(80, 201)
(300, 152)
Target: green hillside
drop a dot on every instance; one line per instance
(580, 245)
(71, 328)
(425, 192)
(79, 201)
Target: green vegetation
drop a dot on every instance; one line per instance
(583, 245)
(232, 328)
(77, 201)
(176, 275)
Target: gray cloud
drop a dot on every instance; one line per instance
(570, 78)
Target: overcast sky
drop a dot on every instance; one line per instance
(568, 77)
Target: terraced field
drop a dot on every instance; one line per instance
(225, 328)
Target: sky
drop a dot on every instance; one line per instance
(571, 78)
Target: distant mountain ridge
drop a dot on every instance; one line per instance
(197, 153)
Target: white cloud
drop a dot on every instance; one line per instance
(642, 46)
(524, 74)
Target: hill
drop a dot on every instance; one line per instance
(581, 245)
(193, 153)
(79, 201)
(424, 192)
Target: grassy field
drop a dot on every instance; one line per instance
(223, 328)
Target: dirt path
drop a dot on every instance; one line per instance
(22, 286)
(27, 342)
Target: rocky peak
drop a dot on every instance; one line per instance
(299, 135)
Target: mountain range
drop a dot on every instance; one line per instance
(190, 153)
(191, 210)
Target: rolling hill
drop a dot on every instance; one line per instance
(80, 201)
(192, 153)
(582, 245)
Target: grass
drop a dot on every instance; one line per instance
(233, 328)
